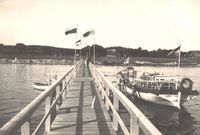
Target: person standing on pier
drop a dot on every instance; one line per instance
(88, 62)
(85, 61)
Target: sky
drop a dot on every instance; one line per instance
(149, 24)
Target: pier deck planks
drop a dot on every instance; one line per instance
(76, 117)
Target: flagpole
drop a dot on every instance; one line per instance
(179, 62)
(177, 50)
(179, 59)
(87, 34)
(80, 54)
(75, 56)
(94, 49)
(89, 51)
(75, 43)
(80, 49)
(128, 60)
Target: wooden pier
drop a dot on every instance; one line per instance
(78, 104)
(82, 113)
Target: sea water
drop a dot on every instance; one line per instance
(16, 89)
(16, 92)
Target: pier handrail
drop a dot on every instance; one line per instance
(137, 119)
(23, 118)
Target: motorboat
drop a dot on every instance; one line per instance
(156, 88)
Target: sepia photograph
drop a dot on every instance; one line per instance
(99, 67)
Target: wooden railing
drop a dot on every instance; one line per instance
(138, 121)
(52, 97)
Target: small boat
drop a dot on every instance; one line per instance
(40, 86)
(156, 88)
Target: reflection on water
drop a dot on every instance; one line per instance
(16, 85)
(169, 120)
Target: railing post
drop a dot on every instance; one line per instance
(63, 87)
(58, 101)
(26, 128)
(53, 97)
(71, 77)
(103, 83)
(47, 109)
(101, 89)
(116, 106)
(108, 94)
(102, 93)
(66, 86)
(60, 89)
(98, 83)
(94, 69)
(134, 125)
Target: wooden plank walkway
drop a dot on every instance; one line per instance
(76, 117)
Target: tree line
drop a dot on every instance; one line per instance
(22, 49)
(126, 52)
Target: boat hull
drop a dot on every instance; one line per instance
(174, 100)
(39, 86)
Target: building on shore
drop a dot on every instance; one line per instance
(194, 54)
(111, 52)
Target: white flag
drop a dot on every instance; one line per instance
(126, 61)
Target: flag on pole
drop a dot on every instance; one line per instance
(71, 31)
(78, 42)
(126, 61)
(88, 33)
(176, 50)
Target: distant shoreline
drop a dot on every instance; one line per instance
(147, 61)
(37, 61)
(106, 61)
